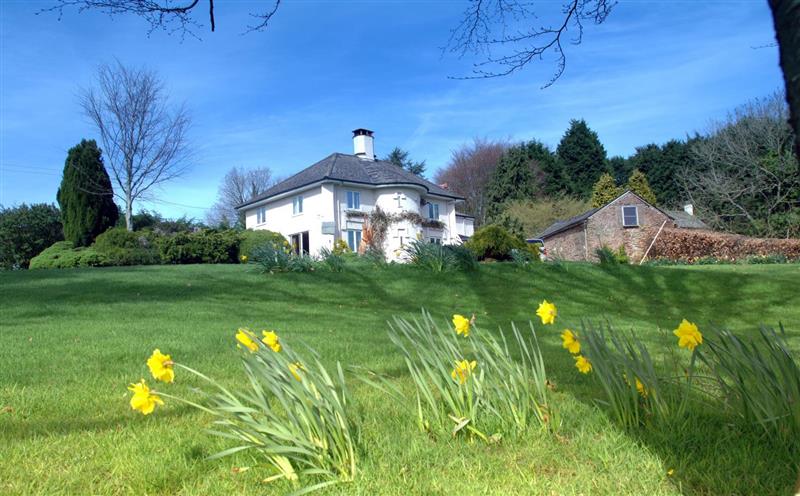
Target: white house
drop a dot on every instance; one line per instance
(333, 198)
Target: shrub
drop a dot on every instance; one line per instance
(250, 240)
(301, 263)
(431, 256)
(494, 242)
(607, 256)
(331, 260)
(463, 257)
(62, 255)
(467, 382)
(122, 247)
(536, 215)
(289, 412)
(206, 246)
(340, 247)
(277, 256)
(25, 231)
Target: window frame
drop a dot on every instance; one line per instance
(431, 208)
(353, 200)
(636, 216)
(356, 234)
(261, 215)
(297, 205)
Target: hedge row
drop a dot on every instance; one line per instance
(118, 246)
(689, 245)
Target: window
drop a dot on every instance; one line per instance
(297, 205)
(353, 239)
(354, 200)
(300, 243)
(261, 215)
(436, 241)
(630, 216)
(433, 211)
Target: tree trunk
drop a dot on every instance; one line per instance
(129, 214)
(786, 16)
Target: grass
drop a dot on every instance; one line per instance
(71, 340)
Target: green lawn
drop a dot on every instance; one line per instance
(71, 341)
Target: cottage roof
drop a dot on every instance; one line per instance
(686, 221)
(352, 169)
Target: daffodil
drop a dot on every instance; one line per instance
(570, 342)
(143, 400)
(160, 366)
(547, 312)
(295, 368)
(582, 364)
(640, 388)
(271, 340)
(245, 338)
(462, 370)
(688, 335)
(461, 324)
(243, 258)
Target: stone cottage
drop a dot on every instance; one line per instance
(627, 221)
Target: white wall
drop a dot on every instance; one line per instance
(317, 206)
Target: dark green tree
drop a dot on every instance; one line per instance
(663, 165)
(620, 168)
(85, 195)
(513, 179)
(639, 185)
(583, 156)
(400, 158)
(604, 190)
(25, 231)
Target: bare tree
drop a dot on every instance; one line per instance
(469, 171)
(168, 15)
(238, 186)
(489, 26)
(144, 140)
(746, 177)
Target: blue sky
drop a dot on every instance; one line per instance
(289, 96)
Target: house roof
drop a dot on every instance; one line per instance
(563, 225)
(686, 221)
(350, 168)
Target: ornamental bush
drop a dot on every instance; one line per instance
(205, 246)
(494, 242)
(122, 247)
(62, 255)
(250, 240)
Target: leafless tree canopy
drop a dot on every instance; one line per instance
(238, 186)
(469, 171)
(169, 15)
(746, 176)
(508, 35)
(144, 140)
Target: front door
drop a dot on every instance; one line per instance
(300, 243)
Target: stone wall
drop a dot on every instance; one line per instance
(567, 245)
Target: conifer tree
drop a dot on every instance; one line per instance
(583, 156)
(512, 180)
(85, 197)
(639, 185)
(605, 190)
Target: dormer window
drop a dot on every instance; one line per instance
(630, 216)
(433, 211)
(297, 205)
(354, 200)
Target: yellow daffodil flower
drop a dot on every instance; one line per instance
(462, 370)
(582, 364)
(294, 368)
(271, 340)
(245, 338)
(160, 366)
(640, 388)
(547, 312)
(143, 400)
(570, 342)
(688, 335)
(461, 324)
(243, 258)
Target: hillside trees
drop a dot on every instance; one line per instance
(238, 186)
(583, 157)
(637, 183)
(85, 195)
(604, 190)
(401, 158)
(25, 231)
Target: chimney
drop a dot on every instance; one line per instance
(689, 209)
(363, 144)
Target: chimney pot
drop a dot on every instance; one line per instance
(689, 209)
